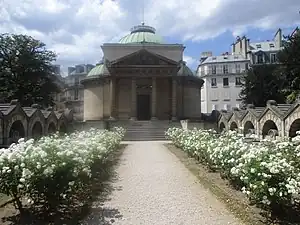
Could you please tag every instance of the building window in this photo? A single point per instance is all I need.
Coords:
(76, 94)
(225, 69)
(214, 82)
(260, 58)
(238, 81)
(214, 107)
(227, 107)
(258, 46)
(202, 71)
(237, 68)
(213, 69)
(272, 46)
(225, 82)
(76, 80)
(273, 58)
(247, 66)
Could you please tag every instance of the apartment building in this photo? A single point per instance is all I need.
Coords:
(72, 93)
(222, 77)
(223, 74)
(263, 52)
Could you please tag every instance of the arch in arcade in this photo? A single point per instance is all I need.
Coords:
(37, 129)
(295, 126)
(269, 129)
(233, 126)
(16, 131)
(222, 127)
(62, 127)
(51, 128)
(248, 128)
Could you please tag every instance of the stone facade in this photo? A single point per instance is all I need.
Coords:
(222, 77)
(30, 122)
(142, 81)
(275, 120)
(71, 95)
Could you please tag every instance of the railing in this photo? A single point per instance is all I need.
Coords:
(141, 28)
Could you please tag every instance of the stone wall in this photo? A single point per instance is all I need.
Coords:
(30, 122)
(282, 120)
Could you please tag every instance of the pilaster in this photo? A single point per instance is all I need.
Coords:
(153, 99)
(133, 98)
(174, 98)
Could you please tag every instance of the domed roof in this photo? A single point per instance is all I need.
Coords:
(142, 34)
(185, 70)
(99, 70)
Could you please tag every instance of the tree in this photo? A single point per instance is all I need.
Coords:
(289, 58)
(26, 70)
(261, 84)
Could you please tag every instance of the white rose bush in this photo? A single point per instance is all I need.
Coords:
(50, 170)
(268, 172)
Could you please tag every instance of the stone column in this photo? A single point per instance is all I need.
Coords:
(174, 98)
(112, 97)
(153, 99)
(133, 98)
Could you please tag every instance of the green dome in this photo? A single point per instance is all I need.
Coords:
(142, 34)
(98, 70)
(185, 70)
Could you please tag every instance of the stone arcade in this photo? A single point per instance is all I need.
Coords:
(274, 120)
(141, 78)
(30, 122)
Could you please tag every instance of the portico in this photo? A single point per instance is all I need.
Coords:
(142, 80)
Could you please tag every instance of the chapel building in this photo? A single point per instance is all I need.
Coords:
(142, 78)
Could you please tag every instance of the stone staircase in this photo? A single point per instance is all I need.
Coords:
(146, 130)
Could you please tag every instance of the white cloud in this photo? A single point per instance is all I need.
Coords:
(190, 61)
(75, 29)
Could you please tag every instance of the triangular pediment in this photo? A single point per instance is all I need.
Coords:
(143, 58)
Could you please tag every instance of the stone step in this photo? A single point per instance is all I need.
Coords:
(144, 138)
(145, 130)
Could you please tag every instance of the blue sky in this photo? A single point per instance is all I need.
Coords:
(75, 29)
(222, 43)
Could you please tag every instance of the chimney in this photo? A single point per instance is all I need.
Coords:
(70, 70)
(244, 46)
(233, 47)
(205, 55)
(79, 68)
(278, 38)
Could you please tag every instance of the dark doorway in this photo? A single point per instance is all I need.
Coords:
(143, 107)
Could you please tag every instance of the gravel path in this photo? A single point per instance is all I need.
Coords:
(155, 188)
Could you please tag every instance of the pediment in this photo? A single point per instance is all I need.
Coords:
(143, 58)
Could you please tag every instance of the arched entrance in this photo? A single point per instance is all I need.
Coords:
(62, 128)
(248, 128)
(233, 126)
(295, 126)
(222, 127)
(37, 130)
(16, 132)
(51, 128)
(269, 129)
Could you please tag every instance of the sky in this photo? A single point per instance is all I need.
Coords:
(75, 29)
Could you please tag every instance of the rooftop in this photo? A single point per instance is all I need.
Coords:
(264, 46)
(224, 59)
(142, 34)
